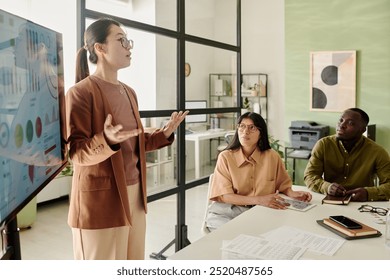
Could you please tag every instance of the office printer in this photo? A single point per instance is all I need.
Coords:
(304, 134)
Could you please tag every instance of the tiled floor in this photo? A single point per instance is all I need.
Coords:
(50, 237)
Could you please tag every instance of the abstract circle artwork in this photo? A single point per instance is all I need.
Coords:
(332, 80)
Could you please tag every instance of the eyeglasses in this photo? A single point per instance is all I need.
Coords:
(368, 208)
(126, 43)
(252, 128)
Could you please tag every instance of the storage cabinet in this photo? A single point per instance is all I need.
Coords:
(223, 93)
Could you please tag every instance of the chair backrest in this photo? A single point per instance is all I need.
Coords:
(229, 137)
(204, 228)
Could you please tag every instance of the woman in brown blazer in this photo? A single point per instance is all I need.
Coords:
(107, 146)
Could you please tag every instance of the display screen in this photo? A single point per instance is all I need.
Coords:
(31, 111)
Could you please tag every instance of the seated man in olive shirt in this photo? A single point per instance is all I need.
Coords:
(348, 162)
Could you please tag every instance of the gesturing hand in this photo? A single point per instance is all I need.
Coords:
(114, 134)
(174, 122)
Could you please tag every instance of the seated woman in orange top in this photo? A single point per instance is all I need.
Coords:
(248, 173)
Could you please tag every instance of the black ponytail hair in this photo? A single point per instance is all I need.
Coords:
(97, 32)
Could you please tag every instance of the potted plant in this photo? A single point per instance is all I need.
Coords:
(245, 106)
(275, 145)
(67, 171)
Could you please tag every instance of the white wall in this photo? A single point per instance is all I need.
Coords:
(263, 51)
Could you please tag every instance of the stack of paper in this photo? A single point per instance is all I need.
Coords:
(283, 243)
(251, 247)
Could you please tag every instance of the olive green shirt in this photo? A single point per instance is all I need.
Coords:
(331, 163)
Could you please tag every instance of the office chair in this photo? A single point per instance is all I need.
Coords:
(228, 137)
(204, 228)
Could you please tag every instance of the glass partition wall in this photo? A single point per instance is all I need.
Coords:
(177, 45)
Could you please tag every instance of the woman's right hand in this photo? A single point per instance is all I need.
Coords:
(273, 200)
(114, 134)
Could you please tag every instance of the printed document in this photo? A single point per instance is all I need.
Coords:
(252, 247)
(313, 242)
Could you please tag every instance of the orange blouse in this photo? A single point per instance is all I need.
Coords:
(261, 174)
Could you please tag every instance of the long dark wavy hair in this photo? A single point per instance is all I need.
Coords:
(97, 32)
(259, 122)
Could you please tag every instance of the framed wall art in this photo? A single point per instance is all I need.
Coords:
(332, 80)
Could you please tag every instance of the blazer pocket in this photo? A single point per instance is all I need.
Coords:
(92, 183)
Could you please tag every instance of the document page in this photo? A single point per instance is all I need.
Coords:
(316, 243)
(259, 248)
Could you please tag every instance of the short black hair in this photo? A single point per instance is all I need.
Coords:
(363, 115)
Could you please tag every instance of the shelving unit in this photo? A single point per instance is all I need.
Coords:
(223, 93)
(254, 88)
(159, 169)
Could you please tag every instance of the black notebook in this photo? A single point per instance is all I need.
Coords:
(340, 200)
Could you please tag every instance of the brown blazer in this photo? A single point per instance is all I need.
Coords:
(99, 195)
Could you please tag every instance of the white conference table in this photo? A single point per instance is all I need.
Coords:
(198, 136)
(260, 220)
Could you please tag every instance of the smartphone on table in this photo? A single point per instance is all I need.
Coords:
(346, 222)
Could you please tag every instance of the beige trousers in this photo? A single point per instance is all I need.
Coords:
(118, 243)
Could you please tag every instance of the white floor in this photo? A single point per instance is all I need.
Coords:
(50, 237)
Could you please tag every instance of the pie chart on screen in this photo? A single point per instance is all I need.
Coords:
(4, 135)
(29, 131)
(38, 127)
(31, 173)
(18, 136)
